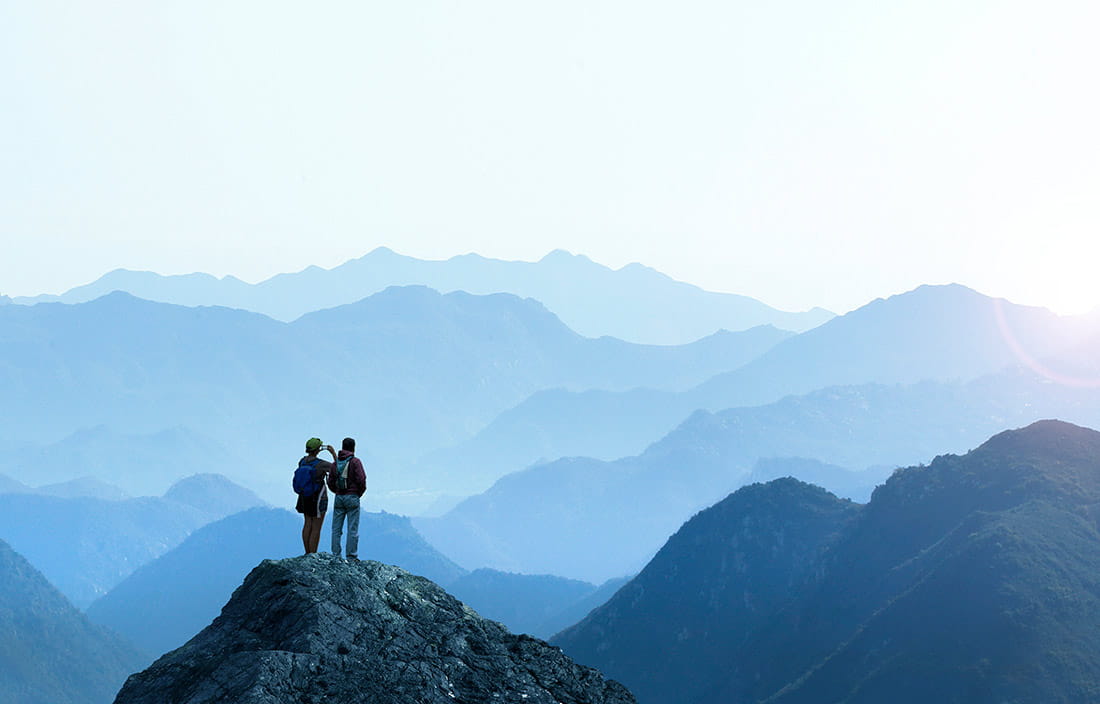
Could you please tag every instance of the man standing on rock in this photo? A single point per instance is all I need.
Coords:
(348, 483)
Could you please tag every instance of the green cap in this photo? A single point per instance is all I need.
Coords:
(313, 444)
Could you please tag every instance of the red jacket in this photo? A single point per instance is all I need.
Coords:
(357, 478)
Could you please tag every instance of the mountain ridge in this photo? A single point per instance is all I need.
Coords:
(712, 559)
(424, 370)
(946, 333)
(972, 578)
(710, 454)
(50, 653)
(85, 546)
(641, 291)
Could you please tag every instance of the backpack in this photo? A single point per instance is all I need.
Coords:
(304, 481)
(342, 468)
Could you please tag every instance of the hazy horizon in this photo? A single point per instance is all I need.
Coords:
(539, 439)
(801, 154)
(254, 280)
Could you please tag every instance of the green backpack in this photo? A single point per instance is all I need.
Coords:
(342, 468)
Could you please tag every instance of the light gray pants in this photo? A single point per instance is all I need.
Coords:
(345, 505)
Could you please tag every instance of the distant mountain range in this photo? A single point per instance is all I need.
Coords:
(593, 520)
(13, 486)
(80, 487)
(973, 579)
(559, 422)
(138, 394)
(406, 371)
(49, 652)
(634, 303)
(540, 605)
(85, 546)
(133, 463)
(940, 333)
(946, 333)
(167, 601)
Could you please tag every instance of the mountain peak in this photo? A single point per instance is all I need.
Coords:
(117, 295)
(213, 494)
(655, 619)
(1047, 459)
(953, 294)
(564, 255)
(927, 292)
(953, 286)
(1050, 438)
(317, 627)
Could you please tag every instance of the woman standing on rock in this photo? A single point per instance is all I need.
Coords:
(309, 483)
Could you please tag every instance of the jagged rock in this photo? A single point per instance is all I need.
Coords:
(315, 629)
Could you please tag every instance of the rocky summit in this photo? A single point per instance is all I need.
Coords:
(315, 629)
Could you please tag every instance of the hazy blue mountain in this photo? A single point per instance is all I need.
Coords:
(137, 367)
(932, 332)
(673, 630)
(139, 464)
(13, 486)
(944, 333)
(557, 423)
(974, 578)
(633, 303)
(85, 546)
(393, 539)
(213, 494)
(525, 603)
(49, 652)
(589, 519)
(83, 487)
(405, 371)
(164, 603)
(507, 442)
(579, 609)
(534, 430)
(498, 331)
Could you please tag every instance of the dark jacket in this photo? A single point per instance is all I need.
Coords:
(357, 478)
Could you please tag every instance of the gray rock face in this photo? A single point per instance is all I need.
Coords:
(315, 629)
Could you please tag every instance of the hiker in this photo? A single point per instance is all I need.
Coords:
(348, 482)
(309, 483)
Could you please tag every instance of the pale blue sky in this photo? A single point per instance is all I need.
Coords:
(801, 152)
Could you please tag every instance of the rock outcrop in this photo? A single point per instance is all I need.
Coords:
(166, 602)
(317, 629)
